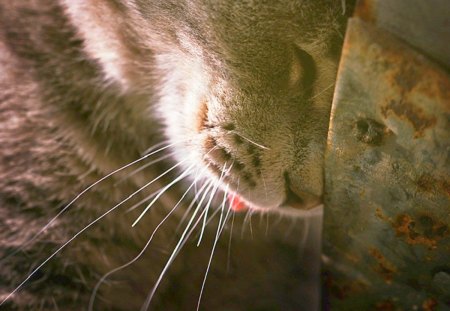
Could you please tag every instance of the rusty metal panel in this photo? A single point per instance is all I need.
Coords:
(387, 168)
(423, 24)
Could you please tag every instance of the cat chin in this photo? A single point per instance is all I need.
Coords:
(239, 204)
(293, 212)
(287, 211)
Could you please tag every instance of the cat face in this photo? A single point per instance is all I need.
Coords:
(243, 89)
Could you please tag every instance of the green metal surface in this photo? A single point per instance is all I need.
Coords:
(387, 202)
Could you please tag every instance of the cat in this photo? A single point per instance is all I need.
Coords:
(234, 97)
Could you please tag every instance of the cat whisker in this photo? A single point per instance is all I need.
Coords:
(229, 241)
(249, 140)
(251, 226)
(344, 7)
(144, 200)
(184, 236)
(267, 224)
(102, 280)
(218, 233)
(213, 215)
(322, 91)
(304, 237)
(264, 184)
(84, 229)
(151, 150)
(183, 175)
(150, 196)
(48, 225)
(213, 192)
(246, 222)
(144, 166)
(194, 200)
(291, 226)
(199, 174)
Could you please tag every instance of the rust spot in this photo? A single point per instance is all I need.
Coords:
(353, 258)
(429, 305)
(426, 183)
(379, 214)
(444, 91)
(429, 184)
(436, 86)
(424, 230)
(408, 78)
(364, 10)
(385, 305)
(384, 267)
(409, 112)
(445, 186)
(342, 289)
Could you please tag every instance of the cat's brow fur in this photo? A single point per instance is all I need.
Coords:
(87, 86)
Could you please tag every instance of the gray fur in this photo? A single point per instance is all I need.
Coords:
(87, 86)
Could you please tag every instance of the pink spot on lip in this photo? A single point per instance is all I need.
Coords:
(236, 203)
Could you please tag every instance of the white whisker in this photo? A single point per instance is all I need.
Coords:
(84, 229)
(144, 200)
(144, 166)
(250, 222)
(210, 218)
(102, 280)
(213, 192)
(244, 224)
(83, 192)
(305, 232)
(219, 231)
(229, 241)
(250, 141)
(175, 252)
(151, 150)
(194, 200)
(324, 90)
(183, 175)
(264, 184)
